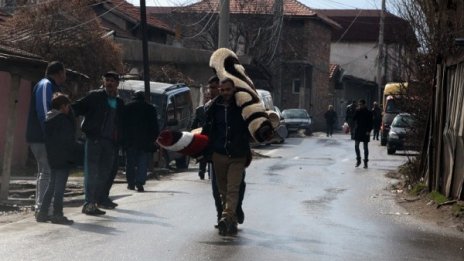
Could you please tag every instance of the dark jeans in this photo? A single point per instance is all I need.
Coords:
(330, 129)
(99, 166)
(55, 190)
(217, 196)
(376, 134)
(104, 195)
(136, 166)
(202, 168)
(358, 152)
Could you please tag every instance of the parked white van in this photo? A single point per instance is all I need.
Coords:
(266, 100)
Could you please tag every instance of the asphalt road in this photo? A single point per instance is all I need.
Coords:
(306, 201)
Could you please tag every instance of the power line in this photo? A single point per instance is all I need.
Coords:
(71, 27)
(348, 28)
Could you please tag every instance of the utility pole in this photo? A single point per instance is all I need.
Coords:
(146, 67)
(224, 14)
(380, 56)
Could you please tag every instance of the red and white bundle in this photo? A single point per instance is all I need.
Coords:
(187, 143)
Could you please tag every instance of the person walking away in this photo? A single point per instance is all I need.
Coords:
(363, 122)
(350, 111)
(102, 111)
(40, 104)
(229, 143)
(140, 130)
(377, 120)
(330, 118)
(62, 152)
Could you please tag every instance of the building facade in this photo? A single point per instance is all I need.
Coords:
(288, 43)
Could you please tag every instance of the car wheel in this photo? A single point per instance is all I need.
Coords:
(308, 132)
(391, 151)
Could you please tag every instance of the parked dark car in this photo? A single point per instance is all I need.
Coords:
(399, 136)
(297, 119)
(174, 105)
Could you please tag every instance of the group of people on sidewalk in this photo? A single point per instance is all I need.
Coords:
(108, 125)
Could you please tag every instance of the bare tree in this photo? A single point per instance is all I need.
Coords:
(436, 24)
(64, 30)
(255, 29)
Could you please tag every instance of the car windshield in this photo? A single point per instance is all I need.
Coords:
(403, 121)
(296, 113)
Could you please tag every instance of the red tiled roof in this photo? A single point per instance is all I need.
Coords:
(291, 8)
(133, 13)
(18, 52)
(359, 25)
(160, 9)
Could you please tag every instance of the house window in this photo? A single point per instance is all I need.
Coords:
(296, 86)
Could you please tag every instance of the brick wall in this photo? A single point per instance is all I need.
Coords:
(305, 52)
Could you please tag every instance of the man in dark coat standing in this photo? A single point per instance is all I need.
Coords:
(330, 118)
(377, 120)
(363, 126)
(140, 130)
(102, 111)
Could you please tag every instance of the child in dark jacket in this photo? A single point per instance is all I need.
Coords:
(61, 150)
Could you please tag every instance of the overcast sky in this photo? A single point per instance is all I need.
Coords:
(317, 4)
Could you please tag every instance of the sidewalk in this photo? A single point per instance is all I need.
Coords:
(21, 198)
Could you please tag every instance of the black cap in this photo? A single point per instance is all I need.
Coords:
(112, 74)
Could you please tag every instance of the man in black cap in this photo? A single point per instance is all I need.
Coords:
(102, 111)
(140, 131)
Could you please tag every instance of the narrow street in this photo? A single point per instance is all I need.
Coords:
(306, 201)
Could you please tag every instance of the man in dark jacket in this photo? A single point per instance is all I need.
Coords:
(140, 130)
(377, 120)
(39, 106)
(330, 118)
(229, 144)
(102, 111)
(363, 126)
